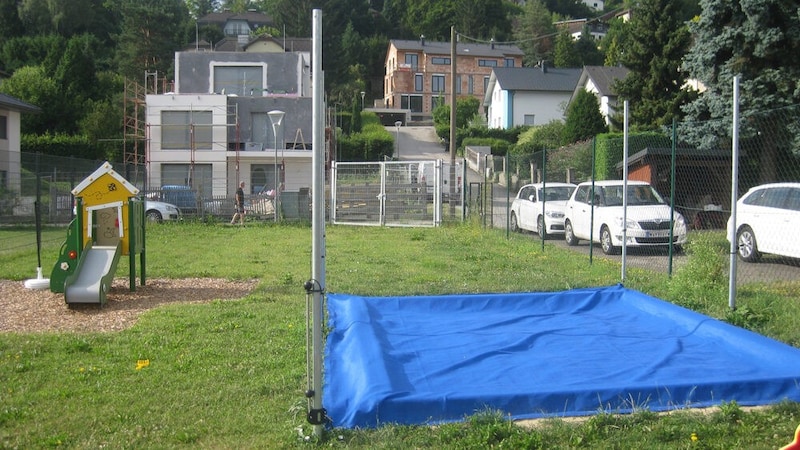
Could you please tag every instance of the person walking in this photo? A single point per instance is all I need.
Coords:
(238, 205)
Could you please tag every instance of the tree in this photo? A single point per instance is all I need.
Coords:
(32, 85)
(655, 84)
(535, 32)
(615, 42)
(587, 50)
(565, 54)
(759, 41)
(583, 119)
(10, 24)
(151, 33)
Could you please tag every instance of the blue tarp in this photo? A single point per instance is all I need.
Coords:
(433, 359)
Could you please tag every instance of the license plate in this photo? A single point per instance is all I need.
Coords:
(656, 234)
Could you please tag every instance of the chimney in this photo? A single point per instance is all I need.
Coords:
(422, 39)
(544, 66)
(491, 42)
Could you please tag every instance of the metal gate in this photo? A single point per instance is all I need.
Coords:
(392, 193)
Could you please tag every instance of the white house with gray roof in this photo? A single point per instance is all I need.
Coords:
(599, 80)
(528, 95)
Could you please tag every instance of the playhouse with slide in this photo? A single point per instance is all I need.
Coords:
(109, 223)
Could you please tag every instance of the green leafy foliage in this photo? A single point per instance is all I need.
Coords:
(372, 143)
(583, 120)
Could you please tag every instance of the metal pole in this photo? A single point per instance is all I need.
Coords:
(624, 194)
(275, 192)
(734, 195)
(316, 414)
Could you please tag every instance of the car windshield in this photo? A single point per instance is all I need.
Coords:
(556, 193)
(637, 195)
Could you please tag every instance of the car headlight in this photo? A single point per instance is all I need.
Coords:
(632, 224)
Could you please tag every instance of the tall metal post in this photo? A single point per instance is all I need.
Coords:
(276, 117)
(316, 287)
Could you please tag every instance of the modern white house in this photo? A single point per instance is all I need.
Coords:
(599, 80)
(528, 95)
(11, 110)
(216, 129)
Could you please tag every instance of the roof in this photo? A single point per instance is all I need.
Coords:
(462, 49)
(221, 18)
(691, 152)
(15, 104)
(603, 78)
(536, 79)
(286, 43)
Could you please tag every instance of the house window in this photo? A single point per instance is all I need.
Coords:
(3, 127)
(262, 177)
(236, 28)
(529, 119)
(458, 84)
(263, 132)
(437, 83)
(509, 62)
(412, 102)
(412, 59)
(239, 80)
(3, 179)
(487, 62)
(198, 176)
(440, 61)
(437, 101)
(470, 85)
(485, 84)
(180, 130)
(418, 82)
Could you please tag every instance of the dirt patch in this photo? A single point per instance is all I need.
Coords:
(31, 310)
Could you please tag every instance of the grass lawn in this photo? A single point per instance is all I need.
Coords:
(231, 374)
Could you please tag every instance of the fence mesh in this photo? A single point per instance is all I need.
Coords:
(691, 166)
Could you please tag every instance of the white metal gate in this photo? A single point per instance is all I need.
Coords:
(391, 193)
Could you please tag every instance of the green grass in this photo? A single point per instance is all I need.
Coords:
(231, 374)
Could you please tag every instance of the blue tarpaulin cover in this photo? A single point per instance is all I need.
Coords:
(433, 359)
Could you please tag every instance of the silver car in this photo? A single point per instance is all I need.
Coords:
(541, 206)
(160, 211)
(767, 221)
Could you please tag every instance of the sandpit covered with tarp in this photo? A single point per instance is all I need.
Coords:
(431, 359)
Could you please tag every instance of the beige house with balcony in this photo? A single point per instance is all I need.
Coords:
(418, 72)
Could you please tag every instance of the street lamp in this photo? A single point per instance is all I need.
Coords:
(397, 137)
(362, 99)
(276, 117)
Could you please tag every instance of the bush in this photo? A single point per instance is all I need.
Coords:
(373, 143)
(64, 145)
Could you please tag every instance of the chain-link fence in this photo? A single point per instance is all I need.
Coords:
(690, 167)
(48, 181)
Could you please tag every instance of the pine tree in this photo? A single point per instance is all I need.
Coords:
(759, 41)
(657, 42)
(583, 119)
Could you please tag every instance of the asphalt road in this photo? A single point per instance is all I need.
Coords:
(421, 143)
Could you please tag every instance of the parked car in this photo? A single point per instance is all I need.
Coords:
(648, 216)
(181, 196)
(541, 206)
(160, 211)
(767, 221)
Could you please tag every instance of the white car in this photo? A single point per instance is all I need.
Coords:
(160, 211)
(538, 206)
(767, 221)
(648, 216)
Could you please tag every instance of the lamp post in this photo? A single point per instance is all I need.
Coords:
(362, 99)
(397, 137)
(276, 117)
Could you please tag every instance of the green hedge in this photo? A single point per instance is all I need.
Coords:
(373, 143)
(610, 147)
(65, 145)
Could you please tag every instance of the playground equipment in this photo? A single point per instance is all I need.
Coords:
(109, 223)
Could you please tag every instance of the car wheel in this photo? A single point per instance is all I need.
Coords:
(605, 242)
(154, 216)
(514, 224)
(569, 236)
(540, 227)
(746, 244)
